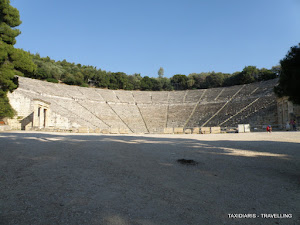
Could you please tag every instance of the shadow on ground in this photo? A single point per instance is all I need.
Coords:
(111, 179)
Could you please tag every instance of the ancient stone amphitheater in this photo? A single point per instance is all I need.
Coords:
(43, 105)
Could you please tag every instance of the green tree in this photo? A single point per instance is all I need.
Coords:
(199, 79)
(289, 80)
(232, 79)
(214, 80)
(156, 84)
(161, 72)
(191, 82)
(12, 61)
(165, 83)
(146, 84)
(179, 82)
(135, 81)
(265, 74)
(248, 75)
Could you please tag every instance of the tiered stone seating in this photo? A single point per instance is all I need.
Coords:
(81, 110)
(130, 115)
(228, 92)
(264, 87)
(176, 97)
(143, 112)
(107, 95)
(73, 92)
(91, 94)
(104, 112)
(31, 85)
(211, 94)
(50, 89)
(178, 114)
(142, 97)
(159, 97)
(62, 113)
(229, 110)
(155, 116)
(193, 96)
(125, 96)
(203, 112)
(259, 107)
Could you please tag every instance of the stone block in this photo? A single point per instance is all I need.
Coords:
(244, 128)
(91, 130)
(205, 130)
(168, 130)
(83, 130)
(178, 130)
(241, 128)
(247, 128)
(124, 131)
(188, 131)
(97, 130)
(105, 131)
(215, 130)
(196, 130)
(114, 130)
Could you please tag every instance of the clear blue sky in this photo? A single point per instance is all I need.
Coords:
(140, 36)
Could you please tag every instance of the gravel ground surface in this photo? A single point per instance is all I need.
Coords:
(55, 178)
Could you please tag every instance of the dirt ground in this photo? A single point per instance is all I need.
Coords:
(55, 178)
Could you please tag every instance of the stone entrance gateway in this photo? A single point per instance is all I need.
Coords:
(41, 113)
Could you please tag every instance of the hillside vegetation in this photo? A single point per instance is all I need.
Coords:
(81, 75)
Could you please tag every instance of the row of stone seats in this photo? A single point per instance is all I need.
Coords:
(125, 96)
(230, 110)
(77, 108)
(258, 107)
(228, 92)
(91, 94)
(173, 97)
(193, 96)
(131, 116)
(160, 97)
(178, 114)
(104, 113)
(176, 97)
(155, 116)
(203, 112)
(142, 97)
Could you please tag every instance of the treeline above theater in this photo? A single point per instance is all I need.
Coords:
(81, 75)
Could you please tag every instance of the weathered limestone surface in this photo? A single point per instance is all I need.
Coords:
(205, 130)
(168, 130)
(83, 130)
(178, 130)
(215, 130)
(124, 131)
(101, 110)
(114, 130)
(188, 131)
(196, 130)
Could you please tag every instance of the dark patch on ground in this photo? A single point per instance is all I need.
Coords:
(188, 162)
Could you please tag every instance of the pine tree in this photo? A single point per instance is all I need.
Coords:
(160, 72)
(289, 80)
(12, 61)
